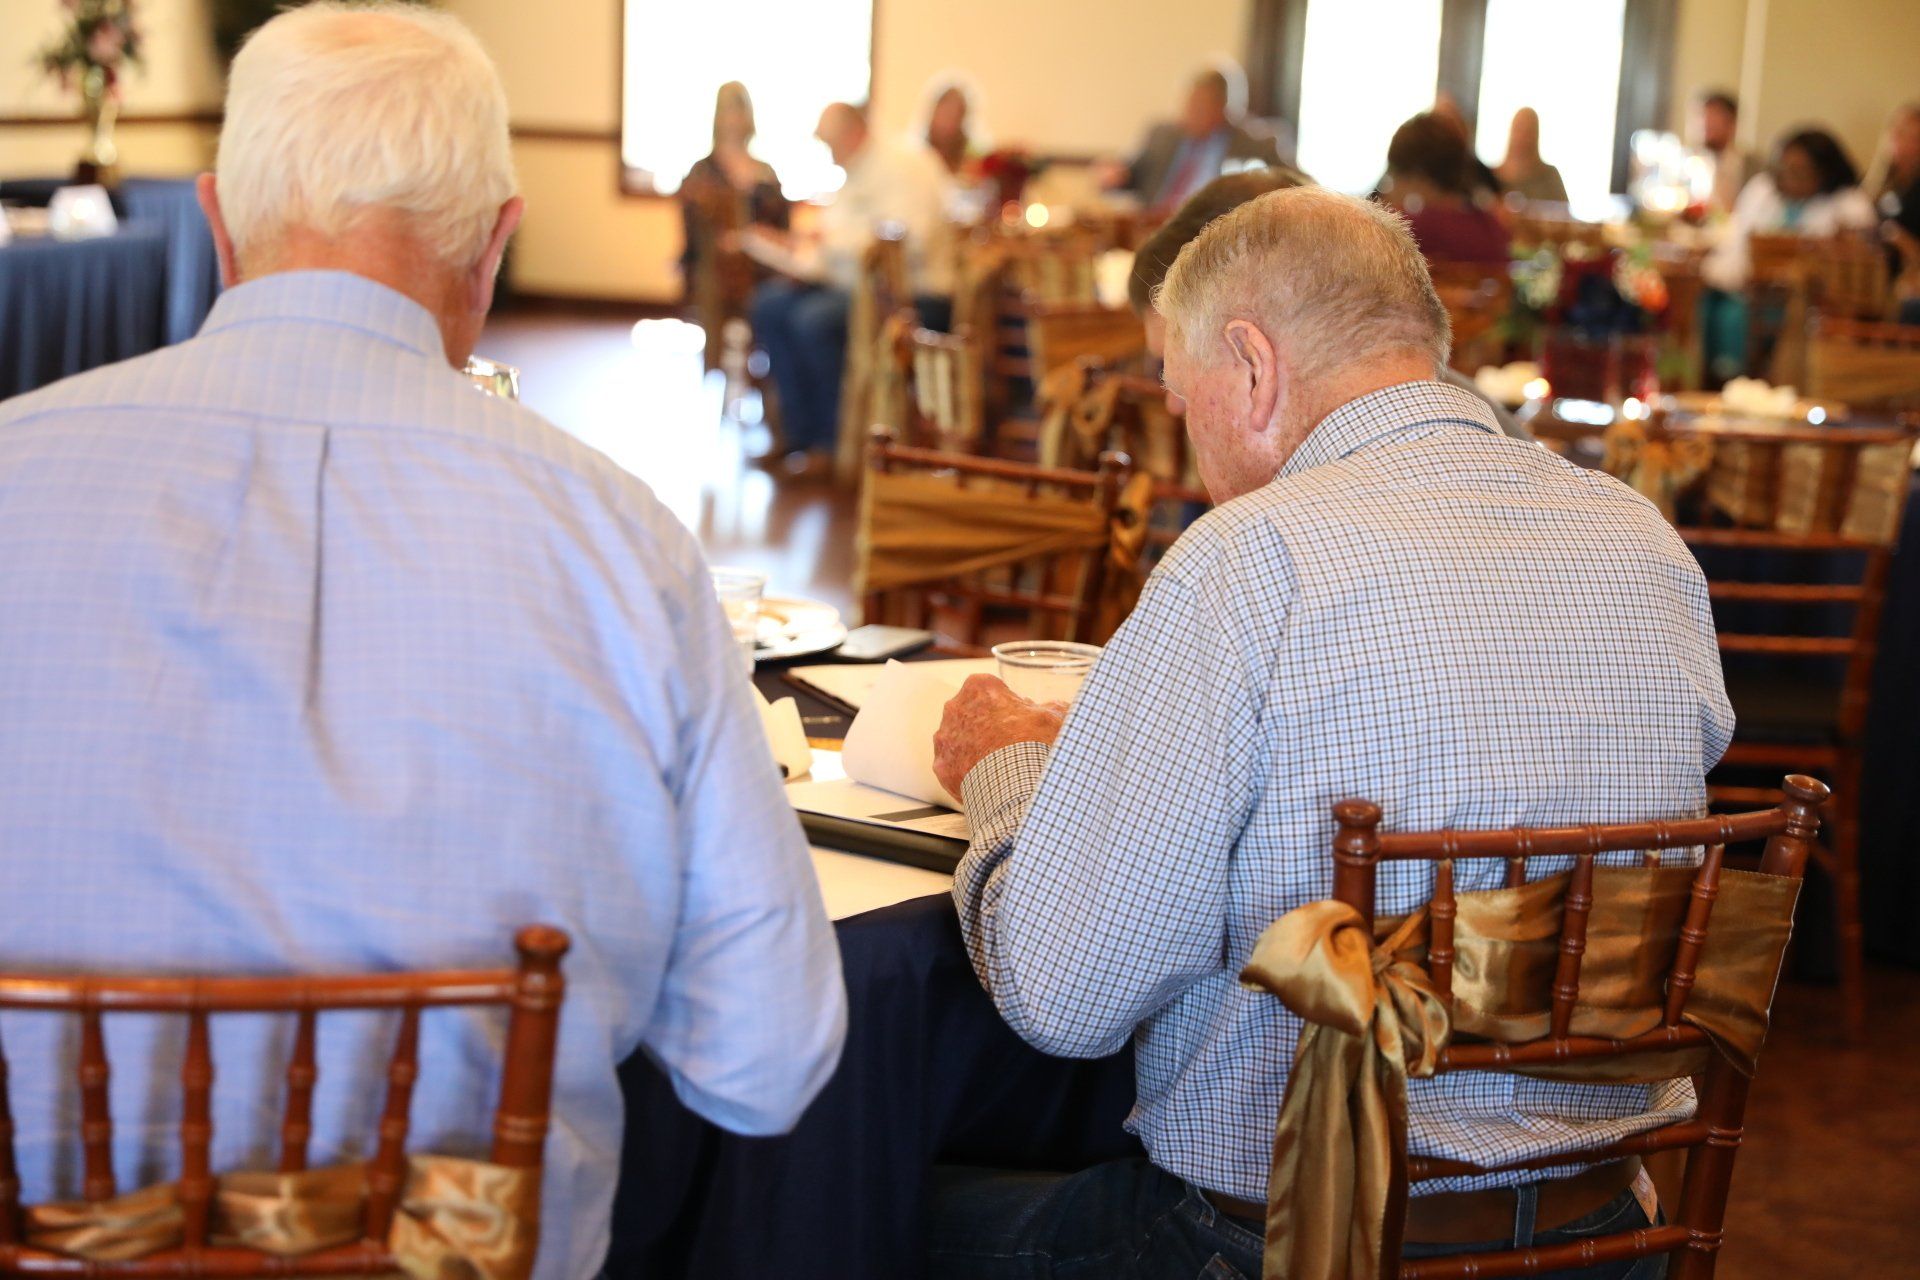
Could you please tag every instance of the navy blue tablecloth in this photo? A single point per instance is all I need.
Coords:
(930, 1072)
(170, 206)
(70, 306)
(1890, 779)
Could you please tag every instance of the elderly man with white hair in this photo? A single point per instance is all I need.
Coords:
(314, 658)
(1392, 600)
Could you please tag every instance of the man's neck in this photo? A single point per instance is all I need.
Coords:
(395, 260)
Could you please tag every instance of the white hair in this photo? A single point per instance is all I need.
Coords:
(1336, 280)
(334, 109)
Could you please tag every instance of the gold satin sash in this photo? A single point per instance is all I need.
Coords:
(1373, 1019)
(916, 528)
(457, 1219)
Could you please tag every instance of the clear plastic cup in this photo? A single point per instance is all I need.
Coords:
(1045, 670)
(740, 591)
(492, 377)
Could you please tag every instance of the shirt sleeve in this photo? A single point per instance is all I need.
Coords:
(1090, 907)
(753, 1010)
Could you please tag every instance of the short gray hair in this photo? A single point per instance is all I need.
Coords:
(336, 108)
(1335, 279)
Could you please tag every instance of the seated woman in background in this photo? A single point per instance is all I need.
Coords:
(1812, 189)
(1428, 179)
(949, 104)
(729, 186)
(1523, 173)
(1899, 202)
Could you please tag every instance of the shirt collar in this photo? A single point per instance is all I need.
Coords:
(1389, 411)
(329, 297)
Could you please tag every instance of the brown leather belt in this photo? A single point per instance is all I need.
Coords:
(1479, 1217)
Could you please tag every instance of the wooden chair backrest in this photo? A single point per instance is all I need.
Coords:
(1059, 334)
(1477, 299)
(934, 393)
(1815, 496)
(533, 992)
(1126, 413)
(1712, 1137)
(1870, 366)
(1845, 276)
(880, 290)
(1052, 596)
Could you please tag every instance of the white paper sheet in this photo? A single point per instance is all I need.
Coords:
(785, 736)
(852, 682)
(890, 743)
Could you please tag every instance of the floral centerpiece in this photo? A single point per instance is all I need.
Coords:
(1594, 315)
(97, 40)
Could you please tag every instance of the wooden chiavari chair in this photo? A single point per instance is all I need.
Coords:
(1794, 279)
(1712, 1137)
(532, 992)
(880, 291)
(1796, 528)
(1477, 299)
(1870, 366)
(929, 389)
(1027, 586)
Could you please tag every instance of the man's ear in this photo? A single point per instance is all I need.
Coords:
(1258, 366)
(208, 192)
(487, 269)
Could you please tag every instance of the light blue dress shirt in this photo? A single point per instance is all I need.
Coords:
(312, 658)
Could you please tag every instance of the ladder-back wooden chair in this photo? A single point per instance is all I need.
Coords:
(1796, 529)
(880, 291)
(1597, 967)
(1060, 333)
(981, 550)
(197, 1243)
(929, 389)
(1794, 279)
(1088, 409)
(1477, 299)
(1870, 366)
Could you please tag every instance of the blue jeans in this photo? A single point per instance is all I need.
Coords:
(1126, 1219)
(1133, 1221)
(803, 330)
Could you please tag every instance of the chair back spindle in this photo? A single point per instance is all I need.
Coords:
(533, 993)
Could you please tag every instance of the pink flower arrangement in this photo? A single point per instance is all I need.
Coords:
(100, 37)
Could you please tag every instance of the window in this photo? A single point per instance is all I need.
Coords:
(1345, 73)
(793, 58)
(1356, 87)
(1523, 64)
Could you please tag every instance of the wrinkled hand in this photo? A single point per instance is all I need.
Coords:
(984, 717)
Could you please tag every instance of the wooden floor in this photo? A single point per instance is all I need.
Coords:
(1829, 1178)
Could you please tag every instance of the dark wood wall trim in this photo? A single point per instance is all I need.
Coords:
(130, 119)
(563, 133)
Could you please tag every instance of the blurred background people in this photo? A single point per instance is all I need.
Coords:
(1812, 189)
(1523, 173)
(1898, 191)
(1430, 179)
(800, 317)
(953, 127)
(1181, 156)
(728, 187)
(1716, 119)
(1482, 183)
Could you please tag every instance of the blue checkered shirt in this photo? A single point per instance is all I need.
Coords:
(314, 658)
(1418, 611)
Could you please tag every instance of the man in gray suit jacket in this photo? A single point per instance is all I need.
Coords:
(1181, 156)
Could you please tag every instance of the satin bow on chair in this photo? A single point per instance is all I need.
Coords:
(1372, 1019)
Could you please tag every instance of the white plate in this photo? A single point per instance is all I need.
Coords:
(794, 628)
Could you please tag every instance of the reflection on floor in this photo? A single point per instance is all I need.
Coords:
(1827, 1183)
(636, 393)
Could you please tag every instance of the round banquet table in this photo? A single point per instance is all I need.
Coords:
(930, 1072)
(70, 306)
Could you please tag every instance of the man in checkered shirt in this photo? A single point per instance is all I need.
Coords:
(1393, 601)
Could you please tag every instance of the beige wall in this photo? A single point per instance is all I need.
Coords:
(1708, 43)
(1056, 76)
(1844, 64)
(1841, 63)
